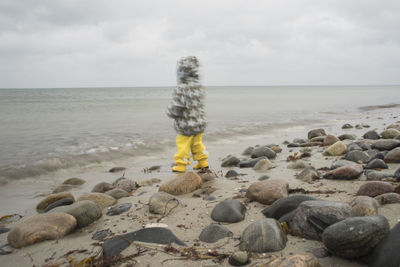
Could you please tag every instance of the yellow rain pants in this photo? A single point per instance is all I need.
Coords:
(187, 144)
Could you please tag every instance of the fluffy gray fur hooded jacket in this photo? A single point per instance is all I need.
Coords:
(187, 107)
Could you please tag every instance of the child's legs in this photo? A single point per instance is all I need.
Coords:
(198, 149)
(183, 149)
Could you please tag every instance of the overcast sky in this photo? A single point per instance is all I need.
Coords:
(85, 43)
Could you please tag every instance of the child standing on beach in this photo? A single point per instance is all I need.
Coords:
(187, 109)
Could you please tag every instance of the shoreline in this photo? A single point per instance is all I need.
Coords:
(21, 197)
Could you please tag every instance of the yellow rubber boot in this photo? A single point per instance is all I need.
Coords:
(182, 156)
(199, 152)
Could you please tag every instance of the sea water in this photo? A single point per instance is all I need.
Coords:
(43, 130)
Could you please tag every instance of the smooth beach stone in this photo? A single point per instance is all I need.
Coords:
(117, 193)
(297, 260)
(357, 156)
(230, 161)
(248, 151)
(337, 149)
(101, 199)
(250, 163)
(61, 202)
(102, 187)
(347, 126)
(376, 175)
(263, 178)
(364, 206)
(394, 125)
(229, 210)
(117, 169)
(85, 212)
(63, 188)
(263, 165)
(231, 173)
(299, 141)
(285, 205)
(214, 232)
(299, 164)
(319, 139)
(355, 237)
(386, 253)
(380, 155)
(347, 172)
(267, 192)
(182, 184)
(149, 182)
(374, 188)
(330, 140)
(263, 152)
(363, 145)
(315, 132)
(396, 174)
(125, 184)
(293, 145)
(376, 164)
(163, 203)
(347, 136)
(264, 235)
(41, 227)
(393, 156)
(239, 258)
(4, 230)
(118, 209)
(275, 148)
(74, 181)
(341, 163)
(359, 126)
(390, 133)
(308, 175)
(102, 234)
(312, 217)
(41, 207)
(372, 153)
(372, 135)
(386, 144)
(158, 235)
(388, 198)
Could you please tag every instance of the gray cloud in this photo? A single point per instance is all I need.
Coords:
(60, 43)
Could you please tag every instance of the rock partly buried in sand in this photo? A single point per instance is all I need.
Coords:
(312, 217)
(50, 199)
(386, 253)
(101, 199)
(229, 210)
(230, 161)
(275, 148)
(316, 132)
(119, 209)
(182, 184)
(364, 206)
(158, 235)
(347, 126)
(163, 203)
(308, 175)
(347, 136)
(264, 235)
(375, 188)
(387, 144)
(74, 181)
(347, 172)
(231, 173)
(248, 151)
(59, 203)
(85, 212)
(214, 232)
(102, 187)
(376, 175)
(357, 156)
(117, 169)
(372, 135)
(390, 133)
(263, 152)
(337, 149)
(380, 155)
(297, 260)
(388, 198)
(41, 227)
(355, 237)
(63, 188)
(341, 163)
(250, 163)
(267, 192)
(125, 184)
(117, 193)
(239, 258)
(330, 140)
(396, 174)
(149, 182)
(393, 156)
(376, 164)
(263, 165)
(285, 205)
(102, 234)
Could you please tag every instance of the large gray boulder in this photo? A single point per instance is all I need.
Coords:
(85, 212)
(229, 210)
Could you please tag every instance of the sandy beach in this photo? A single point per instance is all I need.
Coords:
(187, 222)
